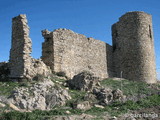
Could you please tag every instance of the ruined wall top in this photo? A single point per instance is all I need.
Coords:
(22, 65)
(21, 16)
(134, 47)
(136, 14)
(45, 33)
(66, 51)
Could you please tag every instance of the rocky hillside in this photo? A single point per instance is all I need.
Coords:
(85, 97)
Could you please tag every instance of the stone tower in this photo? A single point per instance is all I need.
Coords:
(133, 47)
(20, 58)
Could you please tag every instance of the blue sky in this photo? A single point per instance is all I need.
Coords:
(92, 18)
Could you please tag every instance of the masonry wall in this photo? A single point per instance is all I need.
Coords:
(21, 64)
(48, 49)
(72, 53)
(131, 56)
(21, 47)
(133, 47)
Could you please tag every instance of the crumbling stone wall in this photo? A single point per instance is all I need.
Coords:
(21, 48)
(22, 65)
(131, 56)
(48, 49)
(72, 53)
(133, 47)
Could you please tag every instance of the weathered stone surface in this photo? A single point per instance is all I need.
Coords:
(91, 98)
(133, 47)
(22, 66)
(99, 106)
(104, 95)
(41, 96)
(131, 56)
(20, 59)
(72, 53)
(38, 68)
(57, 97)
(13, 107)
(118, 95)
(85, 105)
(84, 81)
(3, 99)
(2, 105)
(107, 95)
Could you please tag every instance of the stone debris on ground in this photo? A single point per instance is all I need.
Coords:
(43, 96)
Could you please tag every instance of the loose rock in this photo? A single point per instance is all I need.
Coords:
(84, 81)
(42, 95)
(82, 105)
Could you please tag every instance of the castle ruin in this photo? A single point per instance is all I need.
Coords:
(72, 53)
(131, 56)
(133, 47)
(21, 64)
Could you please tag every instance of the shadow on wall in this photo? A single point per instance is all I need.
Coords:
(158, 75)
(109, 58)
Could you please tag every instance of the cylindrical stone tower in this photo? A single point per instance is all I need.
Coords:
(133, 47)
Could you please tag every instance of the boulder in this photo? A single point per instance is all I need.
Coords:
(57, 97)
(13, 107)
(85, 105)
(106, 96)
(99, 106)
(91, 98)
(84, 81)
(43, 95)
(2, 105)
(118, 95)
(37, 69)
